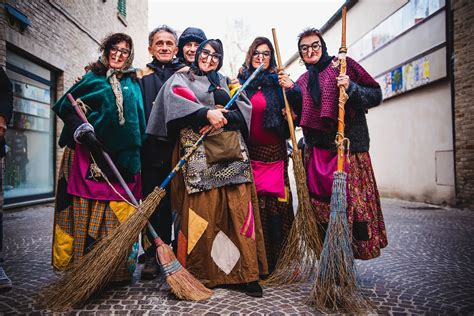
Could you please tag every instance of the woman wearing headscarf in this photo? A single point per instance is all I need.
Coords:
(188, 43)
(267, 144)
(220, 239)
(318, 118)
(89, 201)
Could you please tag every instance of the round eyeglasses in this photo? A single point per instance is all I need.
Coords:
(315, 46)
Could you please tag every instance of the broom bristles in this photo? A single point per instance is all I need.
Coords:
(300, 253)
(182, 283)
(337, 287)
(96, 268)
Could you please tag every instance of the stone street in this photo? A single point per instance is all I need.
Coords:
(427, 268)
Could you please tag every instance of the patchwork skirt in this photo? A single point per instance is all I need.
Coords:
(220, 238)
(80, 222)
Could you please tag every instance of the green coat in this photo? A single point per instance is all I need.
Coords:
(122, 142)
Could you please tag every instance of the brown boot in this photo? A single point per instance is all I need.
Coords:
(151, 268)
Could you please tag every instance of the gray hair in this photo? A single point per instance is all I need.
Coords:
(162, 28)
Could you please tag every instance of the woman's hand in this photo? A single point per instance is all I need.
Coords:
(343, 81)
(284, 80)
(216, 118)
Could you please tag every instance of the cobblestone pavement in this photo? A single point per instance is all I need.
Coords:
(426, 269)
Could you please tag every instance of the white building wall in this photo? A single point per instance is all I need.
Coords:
(361, 18)
(412, 133)
(411, 145)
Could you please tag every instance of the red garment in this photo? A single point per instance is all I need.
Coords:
(269, 177)
(258, 134)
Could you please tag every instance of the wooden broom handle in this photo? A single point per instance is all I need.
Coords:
(289, 117)
(342, 95)
(107, 158)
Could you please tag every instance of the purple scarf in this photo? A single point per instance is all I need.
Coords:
(323, 116)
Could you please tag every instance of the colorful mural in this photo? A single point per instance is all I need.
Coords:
(404, 78)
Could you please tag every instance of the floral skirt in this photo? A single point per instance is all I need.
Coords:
(364, 213)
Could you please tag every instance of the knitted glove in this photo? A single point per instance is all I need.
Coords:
(85, 135)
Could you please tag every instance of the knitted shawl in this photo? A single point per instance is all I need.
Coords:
(323, 116)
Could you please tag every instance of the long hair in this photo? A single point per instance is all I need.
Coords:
(98, 67)
(253, 47)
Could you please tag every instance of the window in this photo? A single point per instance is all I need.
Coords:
(122, 11)
(29, 164)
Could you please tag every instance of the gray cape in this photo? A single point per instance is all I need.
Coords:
(169, 106)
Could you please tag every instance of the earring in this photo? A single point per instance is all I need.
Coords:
(301, 62)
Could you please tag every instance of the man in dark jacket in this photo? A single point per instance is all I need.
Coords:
(6, 108)
(156, 154)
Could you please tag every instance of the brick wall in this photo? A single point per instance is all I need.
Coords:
(464, 100)
(65, 35)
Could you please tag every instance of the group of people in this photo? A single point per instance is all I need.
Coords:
(231, 204)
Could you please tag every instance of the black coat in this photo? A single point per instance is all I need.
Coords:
(156, 154)
(153, 78)
(6, 104)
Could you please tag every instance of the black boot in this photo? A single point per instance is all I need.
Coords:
(151, 268)
(253, 289)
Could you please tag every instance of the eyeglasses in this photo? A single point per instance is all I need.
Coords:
(265, 53)
(215, 57)
(125, 52)
(315, 46)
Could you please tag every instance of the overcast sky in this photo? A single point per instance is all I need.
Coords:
(237, 23)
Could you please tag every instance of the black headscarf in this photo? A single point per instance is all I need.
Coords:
(315, 69)
(191, 34)
(213, 75)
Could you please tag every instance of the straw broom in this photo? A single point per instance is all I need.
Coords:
(298, 259)
(337, 288)
(96, 268)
